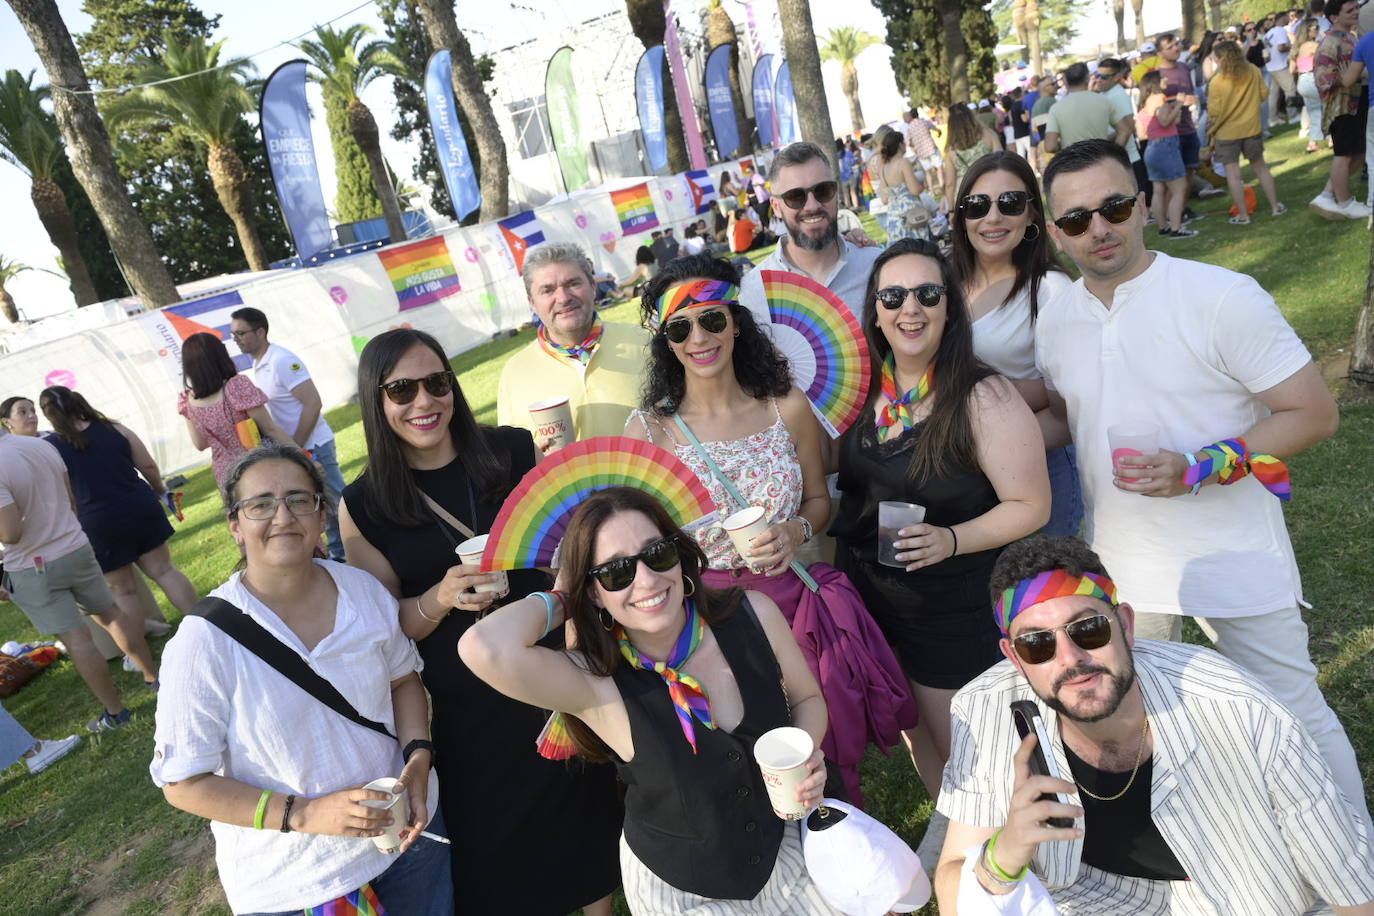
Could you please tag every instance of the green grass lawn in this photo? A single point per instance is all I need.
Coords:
(92, 834)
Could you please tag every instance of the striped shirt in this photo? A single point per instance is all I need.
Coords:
(1240, 793)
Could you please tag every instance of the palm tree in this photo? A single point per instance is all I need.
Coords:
(347, 66)
(1033, 35)
(9, 269)
(844, 44)
(1018, 24)
(494, 177)
(29, 139)
(208, 99)
(720, 30)
(1138, 6)
(92, 158)
(804, 61)
(649, 23)
(1119, 13)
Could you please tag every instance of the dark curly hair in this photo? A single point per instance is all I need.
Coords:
(1031, 556)
(759, 368)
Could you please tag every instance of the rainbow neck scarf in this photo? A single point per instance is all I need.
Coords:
(1231, 460)
(693, 293)
(362, 902)
(578, 353)
(896, 416)
(689, 699)
(1044, 586)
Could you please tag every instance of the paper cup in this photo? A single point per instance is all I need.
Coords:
(893, 517)
(744, 526)
(399, 806)
(1131, 439)
(552, 419)
(470, 553)
(782, 754)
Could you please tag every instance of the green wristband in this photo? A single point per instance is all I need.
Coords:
(262, 809)
(997, 869)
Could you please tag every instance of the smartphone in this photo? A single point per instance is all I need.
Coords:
(1026, 716)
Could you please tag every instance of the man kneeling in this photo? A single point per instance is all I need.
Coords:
(1191, 789)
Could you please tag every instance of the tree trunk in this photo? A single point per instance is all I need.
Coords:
(231, 183)
(742, 123)
(1119, 14)
(804, 61)
(7, 306)
(649, 23)
(56, 218)
(1138, 6)
(90, 153)
(956, 52)
(1214, 7)
(1033, 34)
(363, 128)
(1018, 24)
(1192, 20)
(1362, 359)
(442, 27)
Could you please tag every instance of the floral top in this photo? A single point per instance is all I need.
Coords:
(216, 421)
(1336, 48)
(764, 468)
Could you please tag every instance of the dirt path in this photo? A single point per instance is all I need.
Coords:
(197, 851)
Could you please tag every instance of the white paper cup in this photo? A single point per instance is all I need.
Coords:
(893, 517)
(745, 525)
(1131, 439)
(399, 807)
(781, 755)
(552, 419)
(470, 553)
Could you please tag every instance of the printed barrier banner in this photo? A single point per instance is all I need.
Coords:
(719, 101)
(422, 273)
(285, 120)
(701, 189)
(455, 163)
(764, 115)
(649, 99)
(634, 207)
(565, 119)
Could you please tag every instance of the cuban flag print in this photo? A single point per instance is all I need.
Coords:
(702, 189)
(208, 315)
(520, 233)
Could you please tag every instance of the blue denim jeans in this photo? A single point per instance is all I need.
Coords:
(1066, 494)
(328, 457)
(15, 740)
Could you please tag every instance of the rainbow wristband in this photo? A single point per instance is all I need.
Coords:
(262, 809)
(1192, 462)
(1231, 460)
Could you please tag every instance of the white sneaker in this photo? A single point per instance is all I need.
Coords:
(1353, 209)
(1325, 206)
(129, 664)
(49, 752)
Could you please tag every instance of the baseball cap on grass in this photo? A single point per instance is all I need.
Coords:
(860, 866)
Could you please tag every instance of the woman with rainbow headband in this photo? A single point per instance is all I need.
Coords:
(720, 396)
(674, 682)
(945, 432)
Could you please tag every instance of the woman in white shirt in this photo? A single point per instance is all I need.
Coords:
(1002, 259)
(277, 772)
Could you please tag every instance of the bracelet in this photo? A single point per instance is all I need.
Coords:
(996, 870)
(1192, 462)
(548, 612)
(420, 609)
(286, 814)
(807, 531)
(262, 809)
(956, 539)
(417, 744)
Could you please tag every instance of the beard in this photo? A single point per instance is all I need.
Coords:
(1120, 685)
(806, 242)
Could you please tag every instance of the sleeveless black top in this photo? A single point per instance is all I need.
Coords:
(702, 822)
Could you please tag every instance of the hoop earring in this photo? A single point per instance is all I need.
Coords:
(685, 593)
(1027, 237)
(607, 621)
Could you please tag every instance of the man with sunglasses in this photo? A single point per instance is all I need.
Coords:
(1204, 356)
(1109, 80)
(1190, 789)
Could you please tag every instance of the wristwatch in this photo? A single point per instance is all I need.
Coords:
(419, 744)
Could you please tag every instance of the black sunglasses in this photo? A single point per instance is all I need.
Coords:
(616, 575)
(1038, 646)
(824, 193)
(1010, 203)
(679, 329)
(929, 295)
(404, 390)
(1076, 222)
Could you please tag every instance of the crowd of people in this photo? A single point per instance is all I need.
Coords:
(1050, 568)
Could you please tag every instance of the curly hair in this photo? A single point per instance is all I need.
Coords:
(759, 368)
(1033, 555)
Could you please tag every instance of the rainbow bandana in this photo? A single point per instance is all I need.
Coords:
(692, 293)
(1052, 583)
(362, 902)
(578, 353)
(1231, 460)
(896, 416)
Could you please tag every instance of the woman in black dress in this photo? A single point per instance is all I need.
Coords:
(530, 836)
(947, 433)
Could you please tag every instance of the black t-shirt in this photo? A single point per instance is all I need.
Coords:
(1019, 128)
(1119, 836)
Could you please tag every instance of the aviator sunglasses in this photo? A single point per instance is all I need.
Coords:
(404, 390)
(1038, 646)
(977, 206)
(616, 575)
(1076, 222)
(929, 295)
(679, 329)
(824, 191)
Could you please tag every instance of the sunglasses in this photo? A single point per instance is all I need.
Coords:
(1116, 210)
(404, 390)
(824, 192)
(712, 322)
(262, 508)
(929, 295)
(616, 575)
(1038, 646)
(1010, 203)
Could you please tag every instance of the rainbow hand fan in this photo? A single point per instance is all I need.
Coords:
(833, 344)
(535, 515)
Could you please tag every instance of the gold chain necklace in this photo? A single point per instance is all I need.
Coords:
(1139, 756)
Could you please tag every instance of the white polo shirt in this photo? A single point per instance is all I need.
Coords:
(1185, 346)
(848, 279)
(277, 373)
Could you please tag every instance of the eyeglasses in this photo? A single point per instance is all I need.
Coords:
(616, 575)
(1076, 222)
(237, 334)
(929, 295)
(824, 192)
(1010, 203)
(679, 329)
(261, 508)
(1038, 646)
(404, 390)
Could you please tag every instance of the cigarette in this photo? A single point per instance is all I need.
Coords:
(436, 838)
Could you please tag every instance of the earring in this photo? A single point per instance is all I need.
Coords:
(685, 593)
(607, 621)
(1028, 237)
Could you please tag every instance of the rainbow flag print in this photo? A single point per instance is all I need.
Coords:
(422, 273)
(634, 207)
(521, 232)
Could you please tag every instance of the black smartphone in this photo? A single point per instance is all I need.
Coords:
(1026, 716)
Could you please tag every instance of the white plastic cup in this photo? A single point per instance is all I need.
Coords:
(1131, 439)
(745, 525)
(552, 419)
(892, 518)
(781, 755)
(399, 808)
(470, 553)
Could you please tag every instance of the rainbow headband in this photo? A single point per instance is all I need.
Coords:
(692, 293)
(1052, 583)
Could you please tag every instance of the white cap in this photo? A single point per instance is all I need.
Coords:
(984, 103)
(1148, 48)
(860, 866)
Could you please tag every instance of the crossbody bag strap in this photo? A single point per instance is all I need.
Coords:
(250, 634)
(447, 516)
